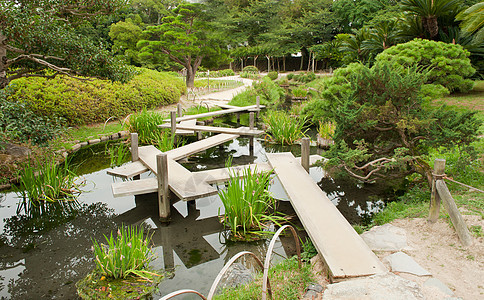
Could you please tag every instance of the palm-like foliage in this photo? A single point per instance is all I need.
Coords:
(429, 11)
(473, 22)
(353, 43)
(384, 35)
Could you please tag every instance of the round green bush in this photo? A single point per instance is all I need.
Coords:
(449, 65)
(94, 100)
(250, 69)
(273, 75)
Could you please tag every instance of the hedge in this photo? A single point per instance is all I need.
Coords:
(81, 102)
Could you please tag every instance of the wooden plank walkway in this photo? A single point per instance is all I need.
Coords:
(201, 145)
(343, 250)
(238, 131)
(180, 180)
(129, 170)
(214, 113)
(223, 174)
(186, 132)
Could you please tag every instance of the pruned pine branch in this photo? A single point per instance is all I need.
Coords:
(377, 164)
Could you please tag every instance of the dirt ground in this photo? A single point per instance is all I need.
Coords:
(436, 248)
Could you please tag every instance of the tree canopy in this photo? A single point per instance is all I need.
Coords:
(39, 38)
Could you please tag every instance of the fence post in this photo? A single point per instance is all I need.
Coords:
(439, 167)
(179, 110)
(163, 190)
(305, 153)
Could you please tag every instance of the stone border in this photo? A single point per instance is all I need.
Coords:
(124, 134)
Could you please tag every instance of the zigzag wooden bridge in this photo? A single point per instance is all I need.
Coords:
(344, 252)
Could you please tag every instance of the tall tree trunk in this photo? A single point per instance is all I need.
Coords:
(3, 62)
(268, 63)
(255, 60)
(241, 64)
(190, 78)
(284, 63)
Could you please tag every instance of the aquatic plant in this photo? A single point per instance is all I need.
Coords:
(118, 154)
(247, 203)
(299, 92)
(326, 129)
(126, 255)
(145, 123)
(49, 182)
(283, 128)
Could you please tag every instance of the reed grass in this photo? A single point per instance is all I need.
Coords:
(145, 123)
(248, 204)
(127, 254)
(283, 128)
(50, 182)
(118, 154)
(326, 129)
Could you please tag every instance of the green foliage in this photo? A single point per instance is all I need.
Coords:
(21, 123)
(383, 125)
(299, 92)
(326, 129)
(42, 35)
(309, 251)
(118, 154)
(302, 77)
(270, 94)
(250, 75)
(50, 182)
(250, 69)
(288, 282)
(473, 22)
(126, 255)
(273, 75)
(145, 123)
(283, 128)
(448, 64)
(247, 203)
(85, 102)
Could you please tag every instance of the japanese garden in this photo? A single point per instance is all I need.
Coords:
(255, 149)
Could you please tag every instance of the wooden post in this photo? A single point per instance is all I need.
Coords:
(199, 133)
(173, 125)
(134, 146)
(305, 153)
(257, 105)
(457, 220)
(238, 118)
(251, 138)
(179, 110)
(439, 167)
(163, 190)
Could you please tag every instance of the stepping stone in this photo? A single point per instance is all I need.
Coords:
(440, 285)
(386, 238)
(377, 287)
(401, 262)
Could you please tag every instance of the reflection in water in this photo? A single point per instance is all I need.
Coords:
(357, 202)
(45, 252)
(52, 261)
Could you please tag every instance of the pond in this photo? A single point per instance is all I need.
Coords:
(43, 254)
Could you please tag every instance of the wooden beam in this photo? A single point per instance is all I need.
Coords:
(454, 214)
(305, 153)
(129, 170)
(213, 113)
(134, 146)
(163, 190)
(238, 131)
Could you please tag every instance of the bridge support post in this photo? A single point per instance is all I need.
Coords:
(305, 153)
(251, 138)
(173, 126)
(257, 105)
(163, 189)
(134, 150)
(179, 110)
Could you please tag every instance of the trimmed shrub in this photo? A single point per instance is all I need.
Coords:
(270, 94)
(448, 64)
(250, 69)
(273, 75)
(226, 72)
(20, 122)
(84, 102)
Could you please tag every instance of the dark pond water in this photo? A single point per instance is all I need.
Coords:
(43, 254)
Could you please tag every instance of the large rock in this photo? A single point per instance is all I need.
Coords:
(401, 262)
(386, 238)
(376, 287)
